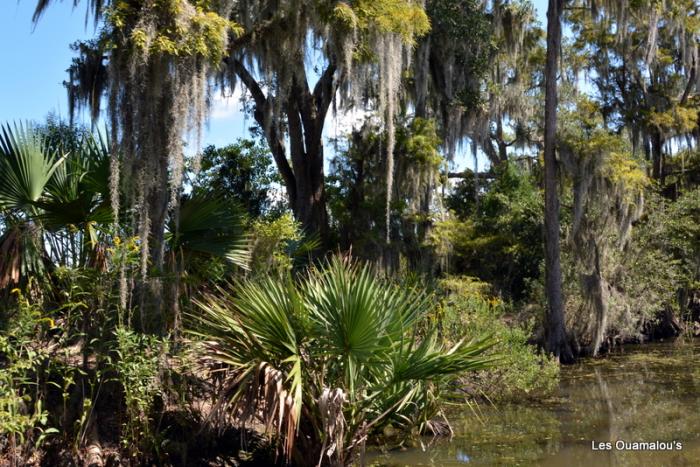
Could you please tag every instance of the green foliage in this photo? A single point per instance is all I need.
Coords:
(523, 372)
(26, 166)
(242, 172)
(49, 198)
(332, 358)
(642, 64)
(77, 196)
(465, 63)
(183, 28)
(499, 237)
(421, 143)
(138, 366)
(681, 237)
(357, 189)
(208, 224)
(402, 17)
(23, 416)
(65, 137)
(273, 241)
(608, 186)
(667, 248)
(599, 151)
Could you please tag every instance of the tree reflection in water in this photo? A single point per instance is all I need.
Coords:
(646, 394)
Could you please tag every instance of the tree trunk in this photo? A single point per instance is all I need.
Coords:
(555, 332)
(306, 116)
(306, 111)
(502, 146)
(657, 145)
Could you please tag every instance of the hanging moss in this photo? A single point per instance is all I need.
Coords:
(155, 58)
(608, 196)
(645, 56)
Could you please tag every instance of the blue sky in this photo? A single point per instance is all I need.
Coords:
(35, 59)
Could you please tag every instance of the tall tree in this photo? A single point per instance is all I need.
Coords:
(480, 88)
(152, 61)
(556, 339)
(608, 185)
(643, 59)
(242, 172)
(358, 194)
(356, 47)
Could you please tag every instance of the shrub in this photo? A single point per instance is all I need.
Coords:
(325, 362)
(524, 372)
(23, 418)
(137, 368)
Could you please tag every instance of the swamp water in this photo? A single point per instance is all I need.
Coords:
(642, 394)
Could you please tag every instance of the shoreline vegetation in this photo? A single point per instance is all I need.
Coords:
(266, 303)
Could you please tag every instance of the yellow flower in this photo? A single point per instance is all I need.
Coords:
(117, 241)
(16, 290)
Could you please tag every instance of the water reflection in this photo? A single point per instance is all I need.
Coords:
(645, 395)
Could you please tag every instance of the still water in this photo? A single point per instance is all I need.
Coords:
(642, 394)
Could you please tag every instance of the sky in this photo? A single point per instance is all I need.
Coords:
(34, 60)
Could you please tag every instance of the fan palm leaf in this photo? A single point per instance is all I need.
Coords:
(78, 192)
(255, 335)
(26, 166)
(208, 224)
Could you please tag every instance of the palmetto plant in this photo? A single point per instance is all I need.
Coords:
(51, 202)
(324, 362)
(55, 208)
(26, 166)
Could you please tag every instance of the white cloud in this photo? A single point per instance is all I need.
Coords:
(344, 122)
(226, 105)
(226, 118)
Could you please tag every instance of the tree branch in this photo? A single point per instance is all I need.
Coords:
(689, 85)
(469, 174)
(325, 89)
(263, 115)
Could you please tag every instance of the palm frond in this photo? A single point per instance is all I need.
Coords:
(254, 335)
(26, 166)
(359, 317)
(78, 192)
(208, 224)
(430, 359)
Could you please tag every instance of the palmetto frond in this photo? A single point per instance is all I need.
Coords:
(78, 192)
(357, 316)
(26, 166)
(209, 224)
(63, 197)
(255, 336)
